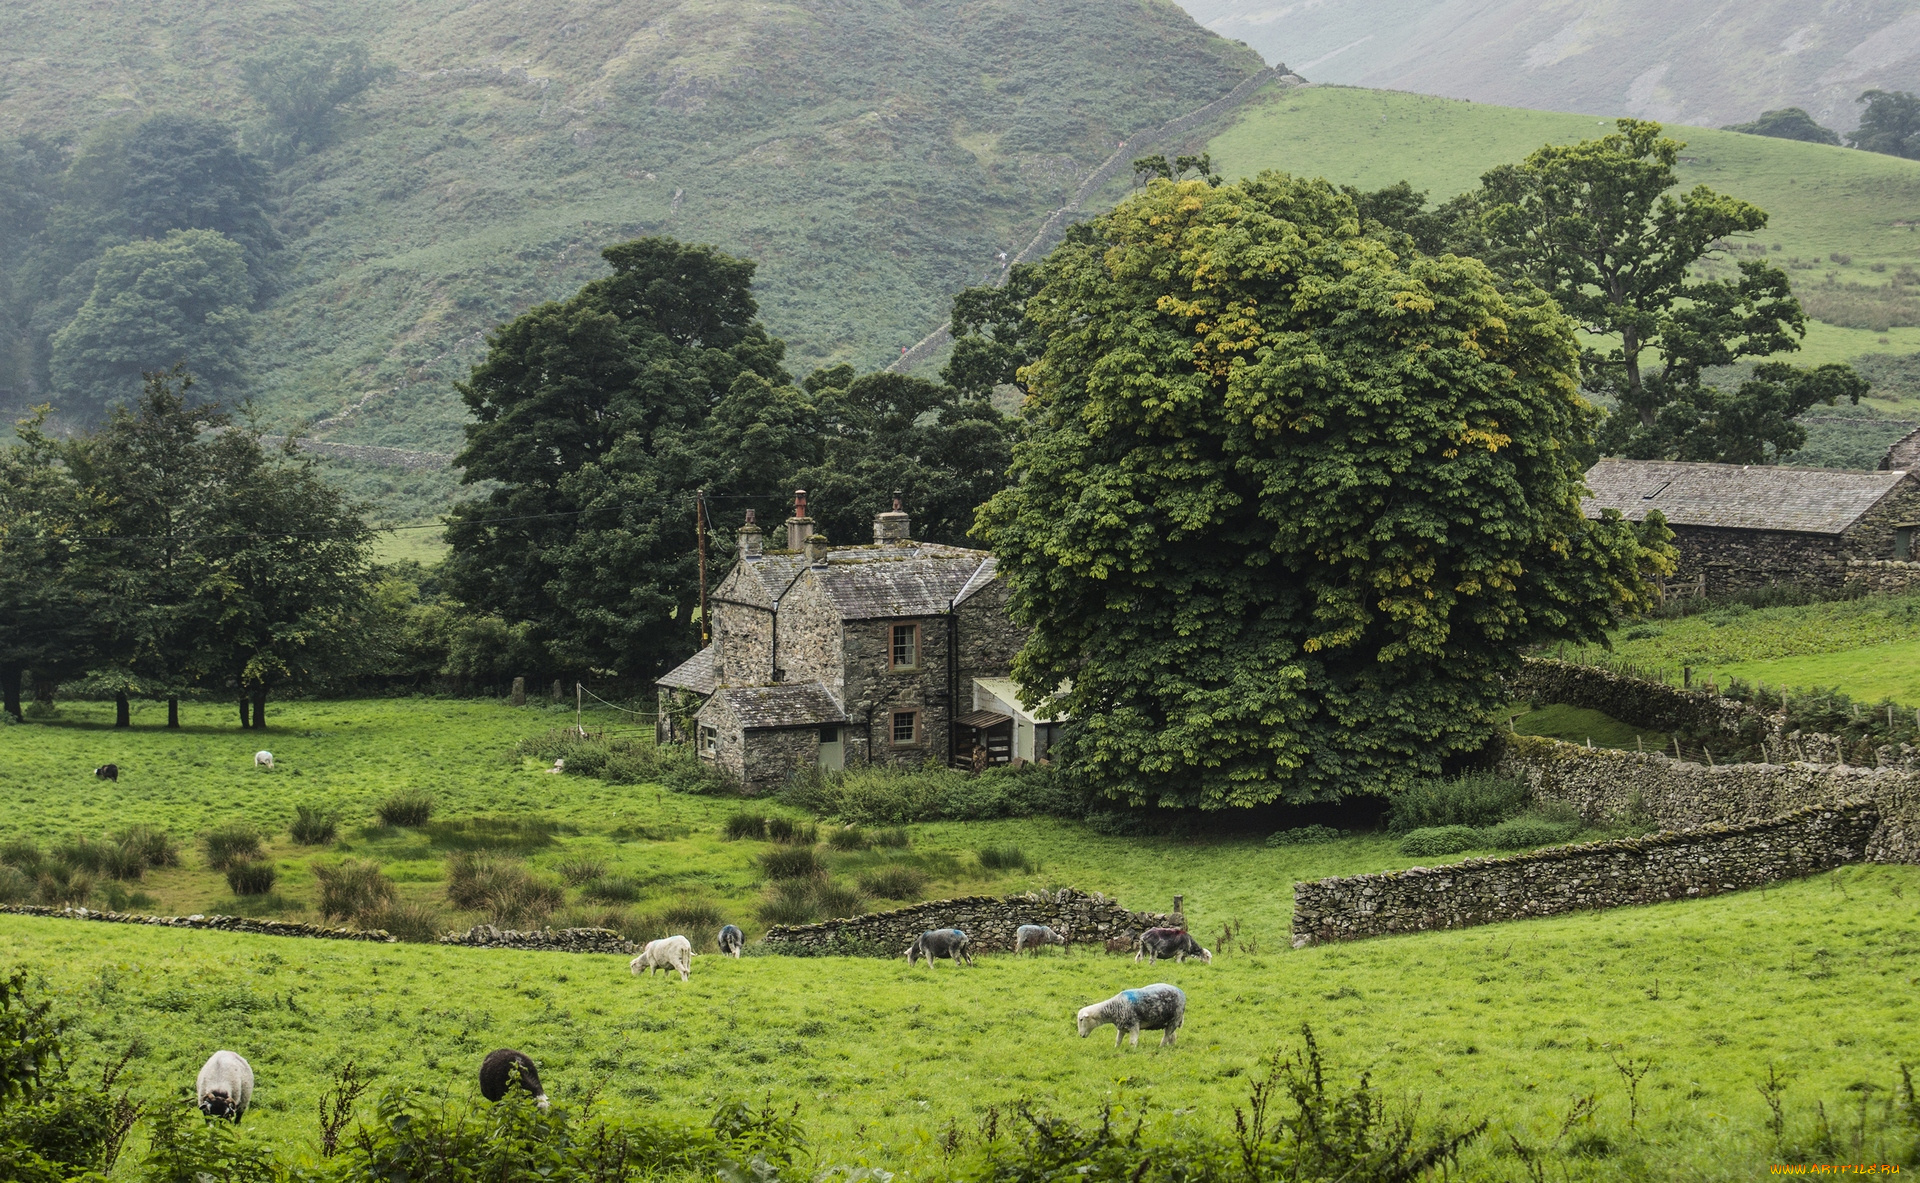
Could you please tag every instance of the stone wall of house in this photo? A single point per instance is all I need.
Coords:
(807, 648)
(1667, 866)
(265, 928)
(989, 639)
(547, 940)
(771, 754)
(989, 920)
(730, 753)
(1736, 560)
(1605, 785)
(743, 644)
(1890, 577)
(874, 692)
(1871, 537)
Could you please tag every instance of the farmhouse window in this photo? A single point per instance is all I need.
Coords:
(906, 726)
(1903, 542)
(709, 741)
(906, 646)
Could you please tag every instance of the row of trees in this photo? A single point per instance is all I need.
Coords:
(1890, 125)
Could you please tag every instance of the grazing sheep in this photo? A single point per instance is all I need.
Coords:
(1158, 1007)
(730, 940)
(1176, 943)
(108, 772)
(1033, 936)
(941, 942)
(263, 760)
(225, 1086)
(500, 1068)
(668, 953)
(1123, 943)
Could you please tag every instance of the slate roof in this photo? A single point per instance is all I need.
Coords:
(796, 704)
(864, 589)
(695, 673)
(1738, 496)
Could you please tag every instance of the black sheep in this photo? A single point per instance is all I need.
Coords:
(108, 772)
(496, 1072)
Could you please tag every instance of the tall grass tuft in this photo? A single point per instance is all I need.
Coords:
(1003, 858)
(796, 862)
(895, 882)
(582, 869)
(154, 846)
(791, 832)
(59, 885)
(849, 838)
(745, 825)
(251, 878)
(22, 853)
(235, 842)
(314, 825)
(352, 888)
(790, 902)
(690, 916)
(502, 888)
(614, 889)
(15, 886)
(411, 807)
(415, 922)
(837, 901)
(891, 838)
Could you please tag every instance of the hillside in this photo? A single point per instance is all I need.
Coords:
(1692, 61)
(872, 158)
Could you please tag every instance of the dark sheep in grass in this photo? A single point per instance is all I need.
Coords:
(1158, 1007)
(730, 940)
(941, 942)
(503, 1068)
(1036, 936)
(108, 772)
(1176, 943)
(225, 1086)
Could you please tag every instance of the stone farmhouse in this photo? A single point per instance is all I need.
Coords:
(897, 652)
(1741, 526)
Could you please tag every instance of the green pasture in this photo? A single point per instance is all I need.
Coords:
(1582, 725)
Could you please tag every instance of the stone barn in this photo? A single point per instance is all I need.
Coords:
(1739, 526)
(839, 656)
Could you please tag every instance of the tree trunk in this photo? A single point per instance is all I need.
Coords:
(173, 712)
(122, 710)
(259, 708)
(10, 690)
(43, 690)
(246, 719)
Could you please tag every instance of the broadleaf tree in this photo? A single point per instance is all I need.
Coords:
(1289, 504)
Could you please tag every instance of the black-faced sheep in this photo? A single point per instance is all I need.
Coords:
(108, 772)
(730, 940)
(1158, 1007)
(225, 1086)
(1176, 943)
(668, 953)
(503, 1068)
(263, 760)
(941, 942)
(1035, 936)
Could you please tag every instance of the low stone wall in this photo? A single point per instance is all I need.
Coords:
(1888, 577)
(566, 940)
(264, 928)
(989, 920)
(1666, 866)
(1605, 785)
(1637, 701)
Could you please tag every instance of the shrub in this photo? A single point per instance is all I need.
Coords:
(352, 888)
(793, 833)
(1476, 799)
(154, 846)
(1440, 840)
(614, 889)
(790, 902)
(745, 825)
(1003, 858)
(502, 888)
(892, 838)
(1527, 832)
(409, 808)
(15, 886)
(1303, 836)
(235, 842)
(58, 885)
(251, 878)
(582, 869)
(22, 853)
(849, 838)
(798, 862)
(838, 901)
(895, 883)
(314, 826)
(415, 922)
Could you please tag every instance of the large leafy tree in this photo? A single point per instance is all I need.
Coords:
(1290, 504)
(1890, 124)
(188, 172)
(1595, 225)
(1788, 123)
(48, 599)
(305, 85)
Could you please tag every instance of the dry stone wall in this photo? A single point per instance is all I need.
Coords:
(265, 928)
(547, 940)
(1666, 866)
(1637, 701)
(1890, 577)
(989, 920)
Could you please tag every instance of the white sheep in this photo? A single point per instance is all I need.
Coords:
(668, 953)
(225, 1086)
(263, 760)
(1032, 937)
(1158, 1007)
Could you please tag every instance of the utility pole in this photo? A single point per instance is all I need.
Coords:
(700, 527)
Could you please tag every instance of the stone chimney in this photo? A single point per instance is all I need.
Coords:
(817, 548)
(749, 540)
(799, 526)
(893, 525)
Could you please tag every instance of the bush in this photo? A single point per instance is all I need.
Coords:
(1003, 858)
(502, 888)
(892, 838)
(1440, 840)
(419, 923)
(793, 833)
(410, 808)
(1476, 799)
(895, 882)
(154, 846)
(491, 833)
(837, 901)
(1303, 836)
(798, 862)
(1527, 832)
(745, 825)
(23, 853)
(614, 889)
(583, 869)
(251, 878)
(15, 886)
(235, 842)
(352, 888)
(849, 838)
(314, 826)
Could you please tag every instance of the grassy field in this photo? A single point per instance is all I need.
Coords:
(1582, 725)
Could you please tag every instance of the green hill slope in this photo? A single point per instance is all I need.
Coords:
(873, 158)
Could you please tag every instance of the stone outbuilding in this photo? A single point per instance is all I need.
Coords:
(840, 656)
(1739, 526)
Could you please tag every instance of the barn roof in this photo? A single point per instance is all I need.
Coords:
(1738, 496)
(695, 673)
(796, 704)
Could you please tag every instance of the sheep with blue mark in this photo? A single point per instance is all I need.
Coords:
(940, 942)
(1158, 1007)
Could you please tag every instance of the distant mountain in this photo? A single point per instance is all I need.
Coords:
(1703, 62)
(873, 157)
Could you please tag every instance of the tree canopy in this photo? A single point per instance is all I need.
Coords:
(1890, 124)
(1788, 123)
(1290, 504)
(305, 84)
